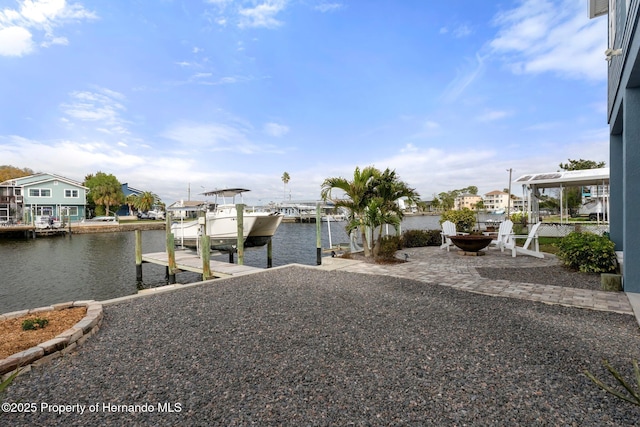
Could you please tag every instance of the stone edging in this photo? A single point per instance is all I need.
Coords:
(55, 347)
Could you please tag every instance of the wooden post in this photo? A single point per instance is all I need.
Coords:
(318, 235)
(138, 237)
(269, 254)
(206, 256)
(171, 252)
(240, 213)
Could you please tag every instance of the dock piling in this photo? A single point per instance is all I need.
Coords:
(206, 257)
(240, 215)
(318, 235)
(138, 239)
(171, 253)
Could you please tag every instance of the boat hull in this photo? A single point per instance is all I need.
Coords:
(263, 230)
(222, 232)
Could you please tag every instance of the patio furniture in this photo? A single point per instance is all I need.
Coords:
(448, 230)
(532, 237)
(505, 229)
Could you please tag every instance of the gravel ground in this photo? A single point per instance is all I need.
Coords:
(299, 346)
(551, 275)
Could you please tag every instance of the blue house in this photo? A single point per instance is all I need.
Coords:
(623, 63)
(127, 191)
(44, 194)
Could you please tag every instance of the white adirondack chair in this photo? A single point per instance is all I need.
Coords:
(505, 230)
(532, 237)
(448, 229)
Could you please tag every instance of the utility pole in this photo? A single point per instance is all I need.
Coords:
(509, 195)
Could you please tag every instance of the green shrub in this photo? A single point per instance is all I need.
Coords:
(520, 218)
(464, 219)
(389, 245)
(420, 238)
(587, 252)
(32, 324)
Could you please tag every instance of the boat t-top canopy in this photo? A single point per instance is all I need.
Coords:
(226, 192)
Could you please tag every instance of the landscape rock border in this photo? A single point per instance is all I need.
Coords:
(55, 347)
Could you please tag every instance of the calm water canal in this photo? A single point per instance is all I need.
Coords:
(48, 270)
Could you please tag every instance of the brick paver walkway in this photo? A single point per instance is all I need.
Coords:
(437, 266)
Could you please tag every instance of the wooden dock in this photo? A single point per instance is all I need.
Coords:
(191, 261)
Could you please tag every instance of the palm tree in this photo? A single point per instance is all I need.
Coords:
(358, 194)
(131, 201)
(104, 190)
(145, 201)
(387, 188)
(108, 195)
(285, 179)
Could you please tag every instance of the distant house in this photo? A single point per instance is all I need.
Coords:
(42, 194)
(467, 201)
(496, 200)
(127, 191)
(623, 114)
(187, 208)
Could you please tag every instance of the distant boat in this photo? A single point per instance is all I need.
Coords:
(103, 218)
(44, 222)
(333, 217)
(220, 223)
(499, 212)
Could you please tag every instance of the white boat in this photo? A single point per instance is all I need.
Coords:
(220, 222)
(44, 222)
(264, 228)
(333, 217)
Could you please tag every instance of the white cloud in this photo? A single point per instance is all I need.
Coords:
(102, 105)
(42, 11)
(275, 129)
(459, 31)
(463, 79)
(462, 31)
(90, 106)
(263, 15)
(50, 41)
(542, 36)
(328, 7)
(490, 116)
(40, 17)
(15, 41)
(212, 136)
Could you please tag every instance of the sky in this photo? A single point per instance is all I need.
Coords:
(181, 97)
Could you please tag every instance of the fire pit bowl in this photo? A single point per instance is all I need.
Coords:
(471, 243)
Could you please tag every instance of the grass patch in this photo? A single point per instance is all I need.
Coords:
(547, 244)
